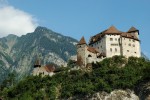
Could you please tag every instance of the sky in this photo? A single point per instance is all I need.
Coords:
(76, 18)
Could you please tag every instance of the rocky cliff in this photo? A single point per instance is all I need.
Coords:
(19, 53)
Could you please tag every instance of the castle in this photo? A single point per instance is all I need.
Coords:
(108, 43)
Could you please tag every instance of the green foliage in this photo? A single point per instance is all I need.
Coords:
(112, 73)
(71, 63)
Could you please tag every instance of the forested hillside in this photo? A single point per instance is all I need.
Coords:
(110, 74)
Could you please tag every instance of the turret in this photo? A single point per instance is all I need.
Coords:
(81, 52)
(81, 43)
(135, 31)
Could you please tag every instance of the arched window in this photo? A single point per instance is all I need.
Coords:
(89, 55)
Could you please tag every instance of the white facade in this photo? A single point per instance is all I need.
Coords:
(130, 47)
(113, 45)
(100, 45)
(113, 42)
(109, 43)
(91, 57)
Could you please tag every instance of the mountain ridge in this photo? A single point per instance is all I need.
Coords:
(19, 53)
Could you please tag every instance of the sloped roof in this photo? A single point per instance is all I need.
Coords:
(82, 41)
(93, 50)
(50, 68)
(112, 29)
(129, 35)
(132, 29)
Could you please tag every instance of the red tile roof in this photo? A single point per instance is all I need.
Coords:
(132, 29)
(112, 29)
(50, 68)
(129, 35)
(82, 41)
(91, 49)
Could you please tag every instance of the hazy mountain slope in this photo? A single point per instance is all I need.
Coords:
(20, 52)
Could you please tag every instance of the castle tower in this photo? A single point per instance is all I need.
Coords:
(134, 31)
(81, 52)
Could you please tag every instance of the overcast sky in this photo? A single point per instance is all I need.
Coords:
(76, 18)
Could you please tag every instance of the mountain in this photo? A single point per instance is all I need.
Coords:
(20, 53)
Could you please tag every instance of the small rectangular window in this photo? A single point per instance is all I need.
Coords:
(116, 49)
(129, 44)
(111, 39)
(111, 49)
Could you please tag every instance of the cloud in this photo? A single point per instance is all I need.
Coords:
(15, 21)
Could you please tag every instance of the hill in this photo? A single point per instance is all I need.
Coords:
(118, 76)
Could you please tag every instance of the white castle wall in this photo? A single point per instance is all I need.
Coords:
(112, 45)
(86, 56)
(100, 45)
(116, 45)
(130, 47)
(93, 57)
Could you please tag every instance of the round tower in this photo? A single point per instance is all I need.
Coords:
(81, 52)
